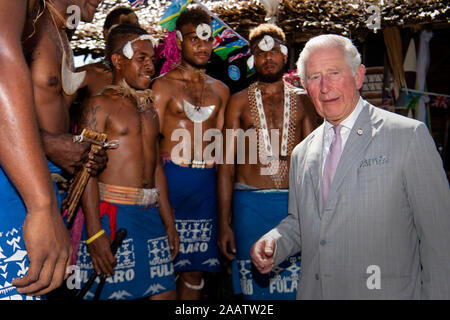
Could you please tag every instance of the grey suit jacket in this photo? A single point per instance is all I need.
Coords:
(384, 232)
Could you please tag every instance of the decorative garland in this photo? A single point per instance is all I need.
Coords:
(278, 165)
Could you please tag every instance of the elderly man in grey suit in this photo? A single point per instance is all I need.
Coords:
(369, 202)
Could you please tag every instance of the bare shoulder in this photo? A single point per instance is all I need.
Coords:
(103, 101)
(238, 101)
(240, 96)
(304, 103)
(163, 82)
(302, 97)
(306, 112)
(219, 85)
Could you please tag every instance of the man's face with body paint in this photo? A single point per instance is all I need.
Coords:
(194, 50)
(139, 70)
(269, 64)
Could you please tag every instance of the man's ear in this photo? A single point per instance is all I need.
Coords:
(117, 61)
(359, 76)
(178, 41)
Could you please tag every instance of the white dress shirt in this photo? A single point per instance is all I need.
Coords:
(347, 125)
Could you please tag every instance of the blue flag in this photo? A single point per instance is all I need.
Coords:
(169, 18)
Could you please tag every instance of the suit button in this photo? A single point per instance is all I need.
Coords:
(322, 242)
(317, 276)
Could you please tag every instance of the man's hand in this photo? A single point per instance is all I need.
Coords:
(49, 252)
(102, 258)
(262, 254)
(70, 156)
(174, 240)
(97, 161)
(225, 241)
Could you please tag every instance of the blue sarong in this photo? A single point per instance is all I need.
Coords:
(144, 264)
(254, 214)
(13, 255)
(192, 194)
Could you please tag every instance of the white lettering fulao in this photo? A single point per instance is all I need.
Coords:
(193, 247)
(119, 276)
(282, 285)
(247, 286)
(374, 280)
(161, 270)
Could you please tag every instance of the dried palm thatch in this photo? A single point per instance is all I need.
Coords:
(300, 19)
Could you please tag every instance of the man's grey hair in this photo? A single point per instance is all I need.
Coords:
(351, 54)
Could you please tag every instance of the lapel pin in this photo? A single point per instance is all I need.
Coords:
(359, 132)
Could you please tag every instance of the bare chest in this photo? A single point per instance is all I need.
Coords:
(128, 121)
(195, 102)
(272, 112)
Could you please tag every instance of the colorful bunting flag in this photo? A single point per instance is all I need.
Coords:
(439, 102)
(226, 41)
(239, 55)
(226, 34)
(137, 3)
(224, 50)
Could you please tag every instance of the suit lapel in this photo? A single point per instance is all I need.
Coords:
(314, 164)
(360, 137)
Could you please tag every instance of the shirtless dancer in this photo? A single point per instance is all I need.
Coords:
(125, 195)
(33, 240)
(189, 100)
(54, 93)
(99, 75)
(256, 197)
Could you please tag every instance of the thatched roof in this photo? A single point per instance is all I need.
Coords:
(300, 19)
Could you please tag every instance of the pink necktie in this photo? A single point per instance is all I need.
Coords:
(331, 162)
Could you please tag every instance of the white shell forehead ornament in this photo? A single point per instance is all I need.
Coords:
(128, 51)
(203, 31)
(267, 43)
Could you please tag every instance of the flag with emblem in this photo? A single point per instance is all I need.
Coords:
(224, 50)
(169, 18)
(225, 39)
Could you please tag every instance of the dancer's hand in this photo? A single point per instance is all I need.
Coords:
(225, 241)
(101, 255)
(49, 251)
(70, 156)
